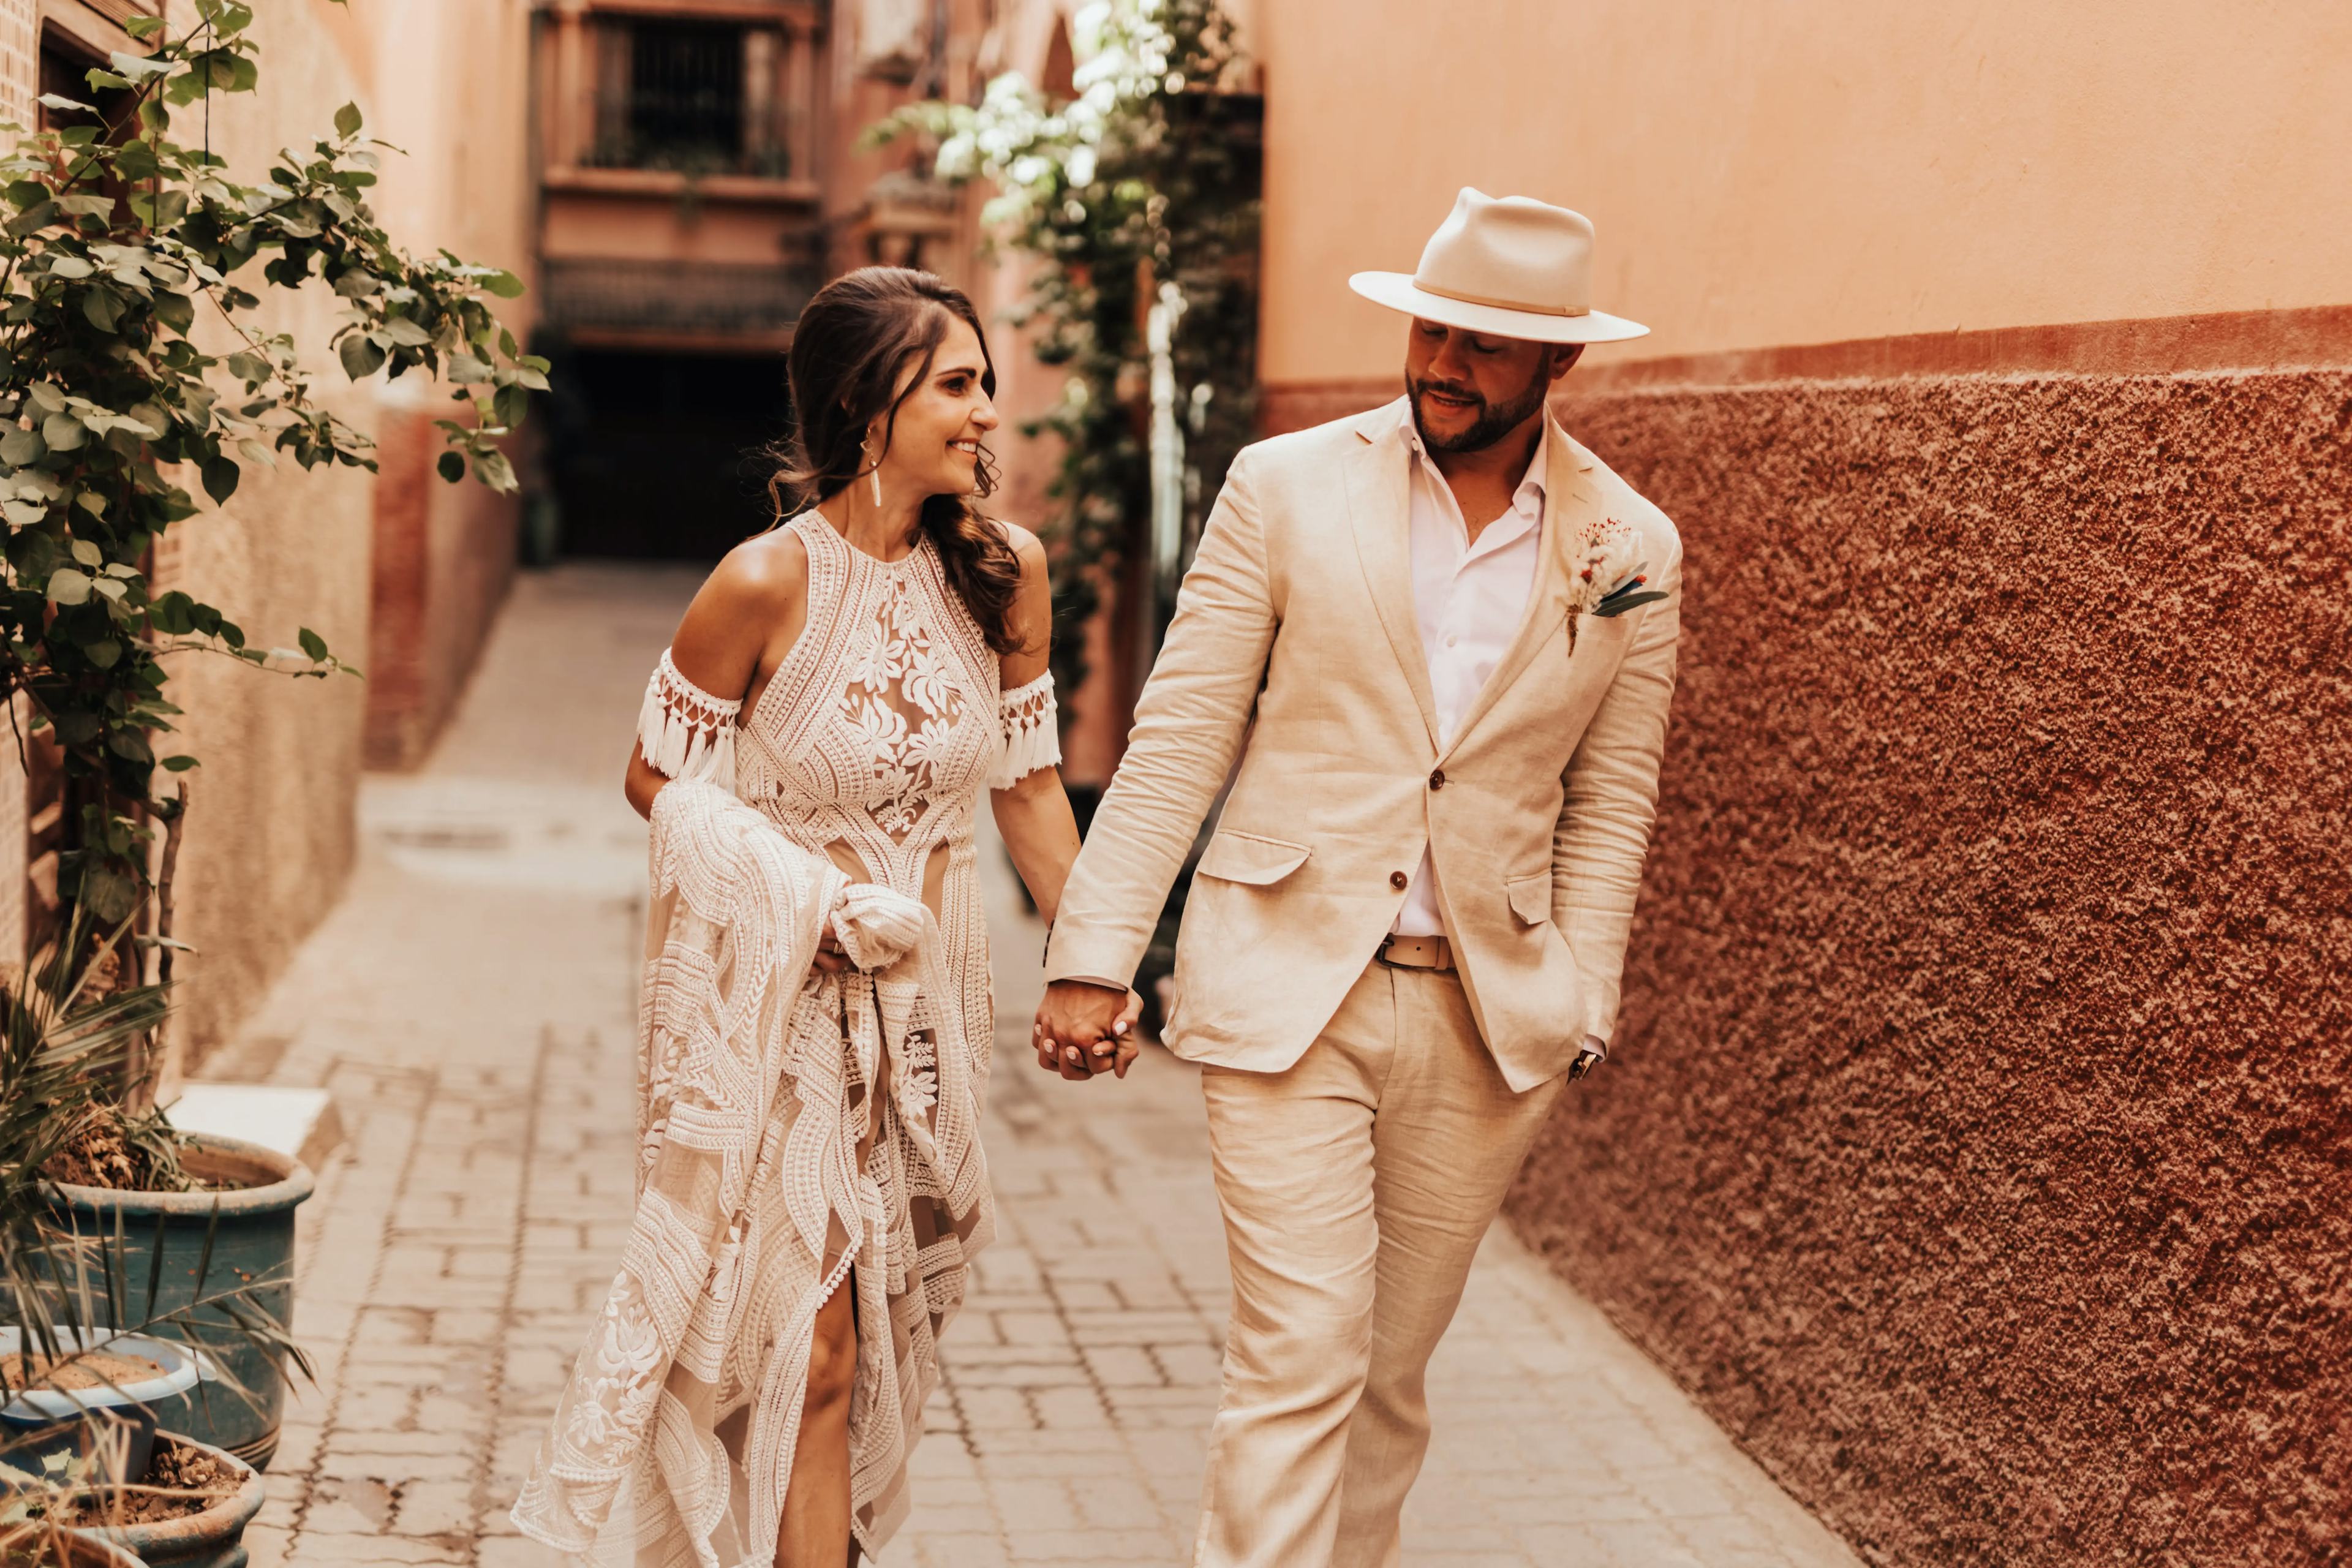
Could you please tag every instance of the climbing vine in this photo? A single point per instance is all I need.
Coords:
(1143, 188)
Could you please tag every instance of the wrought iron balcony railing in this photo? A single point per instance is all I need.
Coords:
(697, 300)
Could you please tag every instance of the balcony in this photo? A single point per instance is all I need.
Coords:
(718, 304)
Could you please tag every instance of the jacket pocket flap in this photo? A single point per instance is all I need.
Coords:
(1245, 858)
(1530, 897)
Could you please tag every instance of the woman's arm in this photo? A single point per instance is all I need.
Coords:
(1031, 813)
(1034, 815)
(742, 623)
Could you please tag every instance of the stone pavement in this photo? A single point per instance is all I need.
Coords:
(470, 1006)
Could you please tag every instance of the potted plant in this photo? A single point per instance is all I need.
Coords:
(132, 378)
(97, 1349)
(188, 1509)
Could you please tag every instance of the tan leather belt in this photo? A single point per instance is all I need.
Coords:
(1415, 953)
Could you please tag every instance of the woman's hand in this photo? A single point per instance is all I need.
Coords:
(1083, 1052)
(1128, 1050)
(829, 954)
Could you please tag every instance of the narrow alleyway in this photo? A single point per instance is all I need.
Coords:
(470, 1006)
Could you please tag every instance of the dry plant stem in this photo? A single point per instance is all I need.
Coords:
(139, 1088)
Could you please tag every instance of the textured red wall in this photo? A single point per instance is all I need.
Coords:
(442, 558)
(1976, 1144)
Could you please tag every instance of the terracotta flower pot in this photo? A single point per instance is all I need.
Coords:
(212, 1539)
(251, 1227)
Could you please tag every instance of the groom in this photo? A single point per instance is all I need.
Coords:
(1453, 629)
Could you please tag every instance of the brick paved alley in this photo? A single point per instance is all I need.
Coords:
(471, 1006)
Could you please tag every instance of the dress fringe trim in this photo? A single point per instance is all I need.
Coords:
(1033, 733)
(684, 730)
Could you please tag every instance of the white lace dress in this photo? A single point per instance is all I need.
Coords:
(796, 1129)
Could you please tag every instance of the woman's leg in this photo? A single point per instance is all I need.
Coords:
(816, 1532)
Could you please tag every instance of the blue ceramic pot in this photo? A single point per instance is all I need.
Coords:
(40, 1422)
(250, 1223)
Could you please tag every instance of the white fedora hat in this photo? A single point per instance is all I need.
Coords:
(1509, 267)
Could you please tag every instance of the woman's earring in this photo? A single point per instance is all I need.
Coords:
(874, 473)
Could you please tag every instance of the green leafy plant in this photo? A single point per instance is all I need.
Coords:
(129, 373)
(1138, 184)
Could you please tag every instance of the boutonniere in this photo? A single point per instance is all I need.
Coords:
(1606, 577)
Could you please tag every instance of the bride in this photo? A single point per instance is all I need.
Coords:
(816, 1021)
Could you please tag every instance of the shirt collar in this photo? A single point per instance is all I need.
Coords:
(1532, 484)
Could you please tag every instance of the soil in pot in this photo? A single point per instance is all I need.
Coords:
(89, 1369)
(187, 1482)
(102, 1156)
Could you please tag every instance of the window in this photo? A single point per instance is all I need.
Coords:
(64, 68)
(699, 97)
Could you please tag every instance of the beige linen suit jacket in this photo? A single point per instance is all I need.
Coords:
(1299, 614)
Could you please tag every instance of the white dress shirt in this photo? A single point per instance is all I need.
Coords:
(1468, 600)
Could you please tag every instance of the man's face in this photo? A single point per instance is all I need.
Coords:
(1469, 391)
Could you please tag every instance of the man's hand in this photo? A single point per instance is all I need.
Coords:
(1084, 1028)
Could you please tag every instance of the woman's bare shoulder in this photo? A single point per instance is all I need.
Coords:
(1026, 546)
(769, 569)
(760, 584)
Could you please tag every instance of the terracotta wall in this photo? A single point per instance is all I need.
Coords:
(1974, 1145)
(447, 82)
(1975, 1148)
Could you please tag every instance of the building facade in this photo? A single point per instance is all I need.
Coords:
(698, 173)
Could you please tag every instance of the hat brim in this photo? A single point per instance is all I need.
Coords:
(1398, 291)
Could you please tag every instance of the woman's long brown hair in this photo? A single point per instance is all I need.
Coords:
(854, 341)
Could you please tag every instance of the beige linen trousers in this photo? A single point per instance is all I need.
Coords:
(1365, 1121)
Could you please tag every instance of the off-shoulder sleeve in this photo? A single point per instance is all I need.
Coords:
(685, 732)
(1033, 733)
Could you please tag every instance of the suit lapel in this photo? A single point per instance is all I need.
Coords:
(1379, 475)
(1571, 505)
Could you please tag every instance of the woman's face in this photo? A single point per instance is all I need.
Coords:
(935, 450)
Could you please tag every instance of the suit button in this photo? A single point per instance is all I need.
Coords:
(1437, 779)
(1398, 879)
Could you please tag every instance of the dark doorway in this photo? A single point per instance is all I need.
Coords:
(659, 456)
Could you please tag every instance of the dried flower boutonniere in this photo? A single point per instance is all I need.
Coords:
(1607, 578)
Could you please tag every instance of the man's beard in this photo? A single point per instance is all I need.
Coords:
(1495, 421)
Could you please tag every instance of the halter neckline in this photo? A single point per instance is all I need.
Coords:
(922, 542)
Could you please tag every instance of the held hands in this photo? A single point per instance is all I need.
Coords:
(1084, 1030)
